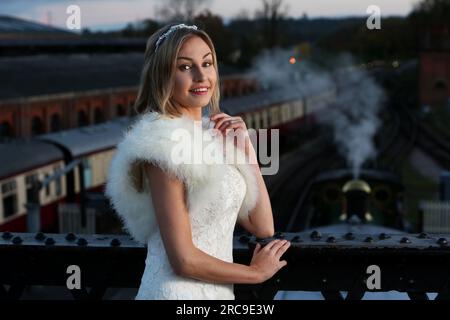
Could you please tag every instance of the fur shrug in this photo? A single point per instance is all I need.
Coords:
(151, 139)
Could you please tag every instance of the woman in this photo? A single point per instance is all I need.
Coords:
(185, 211)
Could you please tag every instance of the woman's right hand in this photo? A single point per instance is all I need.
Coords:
(266, 260)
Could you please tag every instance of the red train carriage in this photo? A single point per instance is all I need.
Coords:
(94, 147)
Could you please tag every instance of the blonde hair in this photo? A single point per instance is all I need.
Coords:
(157, 78)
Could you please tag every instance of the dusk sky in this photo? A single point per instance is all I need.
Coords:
(113, 14)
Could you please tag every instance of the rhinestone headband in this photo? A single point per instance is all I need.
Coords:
(172, 29)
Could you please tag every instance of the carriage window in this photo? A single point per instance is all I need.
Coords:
(248, 121)
(29, 185)
(257, 118)
(58, 181)
(87, 172)
(265, 119)
(9, 194)
(47, 187)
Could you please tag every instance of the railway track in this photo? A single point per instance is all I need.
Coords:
(412, 131)
(404, 141)
(436, 147)
(289, 189)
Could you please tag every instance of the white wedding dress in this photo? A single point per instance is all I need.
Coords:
(212, 232)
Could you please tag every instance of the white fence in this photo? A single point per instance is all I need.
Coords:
(69, 215)
(436, 216)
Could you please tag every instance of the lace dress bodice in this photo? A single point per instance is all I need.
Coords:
(212, 228)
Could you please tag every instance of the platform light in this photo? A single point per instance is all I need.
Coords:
(292, 60)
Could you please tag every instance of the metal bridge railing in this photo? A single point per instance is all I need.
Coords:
(328, 263)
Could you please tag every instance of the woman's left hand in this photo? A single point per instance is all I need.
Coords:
(225, 123)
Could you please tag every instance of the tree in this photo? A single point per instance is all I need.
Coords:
(213, 25)
(243, 14)
(245, 41)
(432, 11)
(271, 13)
(431, 22)
(180, 10)
(142, 28)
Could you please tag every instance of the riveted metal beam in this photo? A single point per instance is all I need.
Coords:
(317, 261)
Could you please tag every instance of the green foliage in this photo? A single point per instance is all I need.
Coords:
(395, 40)
(240, 40)
(213, 25)
(142, 28)
(429, 12)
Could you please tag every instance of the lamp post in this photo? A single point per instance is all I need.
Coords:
(33, 205)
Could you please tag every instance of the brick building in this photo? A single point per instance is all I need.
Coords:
(41, 94)
(435, 66)
(48, 93)
(57, 89)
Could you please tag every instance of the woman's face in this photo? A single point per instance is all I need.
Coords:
(195, 75)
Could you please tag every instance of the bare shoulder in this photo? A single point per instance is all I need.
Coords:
(156, 174)
(166, 189)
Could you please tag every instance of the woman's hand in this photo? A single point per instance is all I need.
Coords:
(225, 123)
(266, 260)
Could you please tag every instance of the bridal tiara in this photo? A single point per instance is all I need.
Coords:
(172, 29)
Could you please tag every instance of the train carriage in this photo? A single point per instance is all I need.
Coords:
(21, 163)
(42, 157)
(94, 147)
